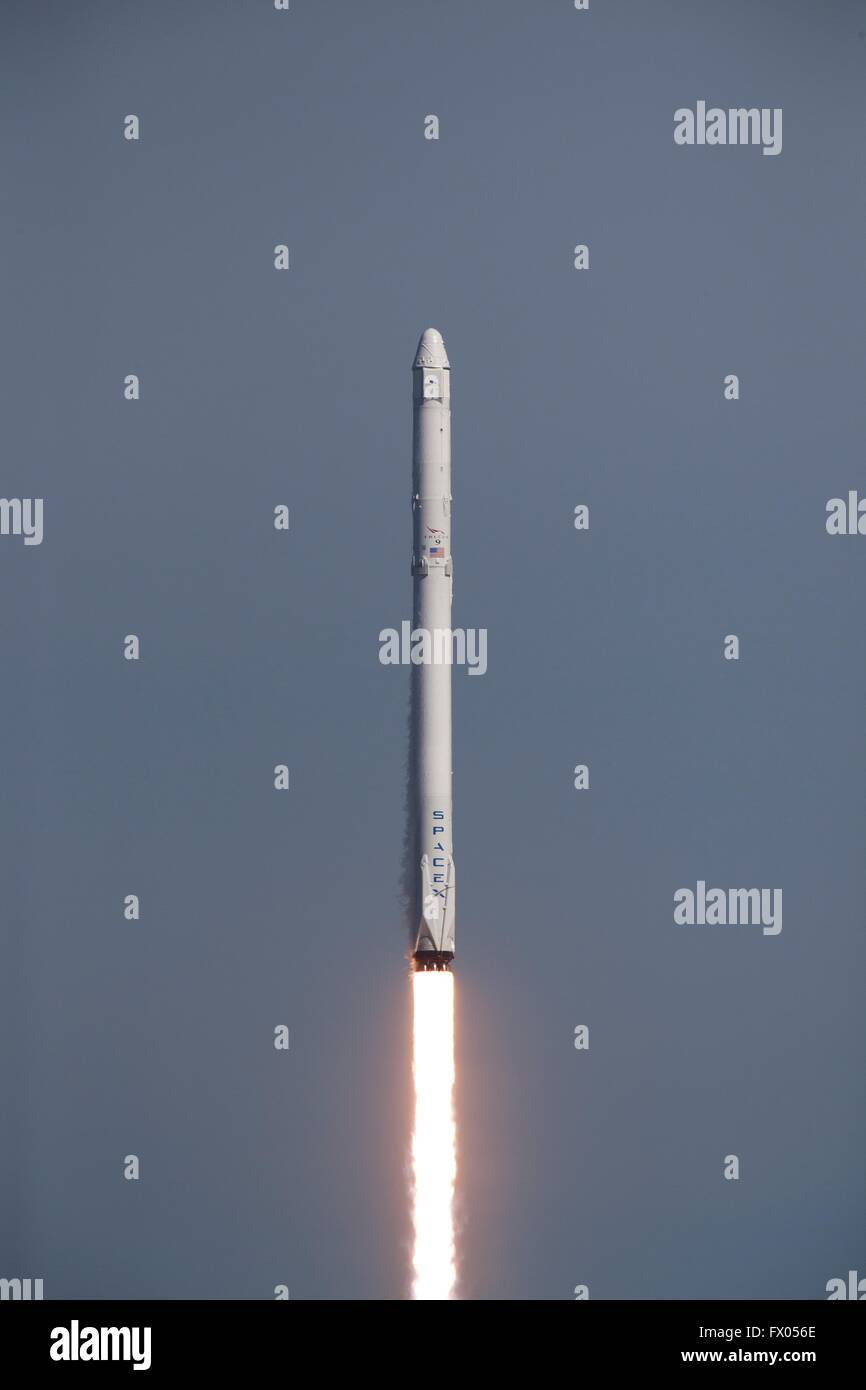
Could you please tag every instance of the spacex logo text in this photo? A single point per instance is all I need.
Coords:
(439, 864)
(75, 1343)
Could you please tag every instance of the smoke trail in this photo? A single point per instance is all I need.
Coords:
(434, 1139)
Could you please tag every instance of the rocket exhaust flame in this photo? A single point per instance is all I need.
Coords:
(434, 1139)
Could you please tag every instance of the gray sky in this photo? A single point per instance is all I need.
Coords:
(707, 518)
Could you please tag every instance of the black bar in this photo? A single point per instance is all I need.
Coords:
(210, 1338)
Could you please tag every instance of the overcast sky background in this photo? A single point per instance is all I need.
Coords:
(707, 518)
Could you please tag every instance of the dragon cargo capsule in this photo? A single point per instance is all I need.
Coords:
(430, 752)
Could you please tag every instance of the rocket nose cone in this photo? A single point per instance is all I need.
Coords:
(431, 350)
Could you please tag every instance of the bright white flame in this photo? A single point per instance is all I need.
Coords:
(434, 1141)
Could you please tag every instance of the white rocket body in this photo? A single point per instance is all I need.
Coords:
(433, 866)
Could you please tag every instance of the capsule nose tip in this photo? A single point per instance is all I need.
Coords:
(431, 350)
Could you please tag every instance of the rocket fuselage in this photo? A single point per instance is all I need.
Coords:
(433, 861)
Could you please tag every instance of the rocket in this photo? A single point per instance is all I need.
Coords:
(430, 732)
